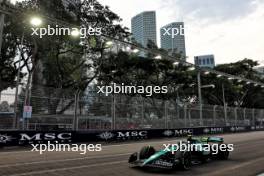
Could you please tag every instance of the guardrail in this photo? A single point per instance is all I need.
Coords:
(8, 138)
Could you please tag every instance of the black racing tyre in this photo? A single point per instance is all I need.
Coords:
(223, 155)
(132, 158)
(204, 158)
(146, 152)
(185, 161)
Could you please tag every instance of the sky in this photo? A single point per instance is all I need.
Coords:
(230, 29)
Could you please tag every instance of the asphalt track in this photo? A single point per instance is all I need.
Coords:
(246, 160)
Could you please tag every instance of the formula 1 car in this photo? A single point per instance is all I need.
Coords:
(166, 159)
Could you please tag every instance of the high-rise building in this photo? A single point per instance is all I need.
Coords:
(207, 61)
(260, 70)
(143, 27)
(71, 2)
(172, 38)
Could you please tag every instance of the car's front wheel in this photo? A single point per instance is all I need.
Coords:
(133, 158)
(186, 161)
(146, 152)
(223, 155)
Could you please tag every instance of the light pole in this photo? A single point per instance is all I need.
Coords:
(35, 21)
(200, 97)
(225, 110)
(200, 87)
(16, 119)
(2, 20)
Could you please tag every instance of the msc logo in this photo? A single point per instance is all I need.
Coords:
(237, 128)
(181, 132)
(5, 138)
(123, 135)
(106, 135)
(213, 130)
(132, 134)
(45, 136)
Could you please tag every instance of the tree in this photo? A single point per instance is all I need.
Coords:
(237, 93)
(61, 62)
(182, 82)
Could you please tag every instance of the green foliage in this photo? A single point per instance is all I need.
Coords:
(182, 83)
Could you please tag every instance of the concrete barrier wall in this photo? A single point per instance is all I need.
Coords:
(9, 138)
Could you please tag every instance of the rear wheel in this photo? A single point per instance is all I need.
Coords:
(146, 152)
(186, 161)
(223, 155)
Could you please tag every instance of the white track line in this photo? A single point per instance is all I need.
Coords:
(237, 166)
(62, 160)
(68, 168)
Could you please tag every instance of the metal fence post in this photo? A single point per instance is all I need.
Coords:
(201, 114)
(244, 115)
(166, 114)
(185, 115)
(235, 111)
(225, 113)
(76, 103)
(262, 114)
(215, 106)
(113, 103)
(142, 112)
(253, 117)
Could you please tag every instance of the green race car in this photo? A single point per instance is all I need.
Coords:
(200, 150)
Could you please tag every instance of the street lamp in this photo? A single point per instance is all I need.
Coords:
(127, 48)
(208, 86)
(158, 57)
(135, 50)
(75, 33)
(191, 68)
(207, 73)
(176, 63)
(109, 43)
(35, 21)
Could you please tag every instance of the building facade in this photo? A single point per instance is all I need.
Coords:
(143, 27)
(172, 38)
(205, 61)
(260, 70)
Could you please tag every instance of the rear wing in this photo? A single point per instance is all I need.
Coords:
(206, 139)
(215, 139)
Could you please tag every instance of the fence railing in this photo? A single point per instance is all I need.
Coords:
(64, 110)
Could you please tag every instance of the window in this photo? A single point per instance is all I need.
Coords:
(208, 61)
(212, 61)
